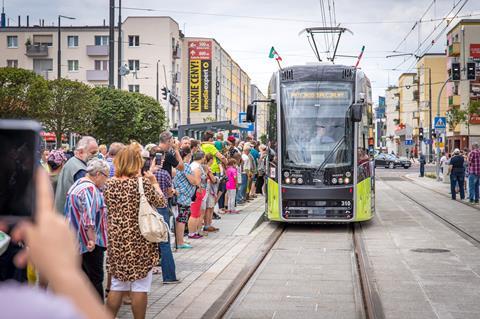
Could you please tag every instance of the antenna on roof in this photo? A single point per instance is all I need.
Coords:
(3, 17)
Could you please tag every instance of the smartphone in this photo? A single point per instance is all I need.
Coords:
(158, 159)
(146, 165)
(19, 158)
(4, 241)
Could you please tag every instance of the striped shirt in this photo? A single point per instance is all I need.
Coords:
(112, 167)
(85, 207)
(183, 186)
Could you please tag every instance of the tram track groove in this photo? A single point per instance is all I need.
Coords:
(457, 229)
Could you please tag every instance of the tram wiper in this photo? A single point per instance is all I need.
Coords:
(329, 156)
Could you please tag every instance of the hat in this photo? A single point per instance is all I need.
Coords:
(56, 158)
(456, 151)
(231, 139)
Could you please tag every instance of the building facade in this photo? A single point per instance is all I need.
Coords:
(392, 119)
(215, 87)
(463, 47)
(261, 122)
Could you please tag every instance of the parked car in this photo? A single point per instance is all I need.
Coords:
(405, 162)
(387, 160)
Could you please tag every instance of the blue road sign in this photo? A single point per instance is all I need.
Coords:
(408, 142)
(242, 121)
(440, 122)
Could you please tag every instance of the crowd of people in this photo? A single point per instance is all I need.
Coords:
(462, 168)
(96, 189)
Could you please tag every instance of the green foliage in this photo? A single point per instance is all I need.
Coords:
(121, 116)
(23, 94)
(71, 108)
(456, 116)
(263, 138)
(474, 108)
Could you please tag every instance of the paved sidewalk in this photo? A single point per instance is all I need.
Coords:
(208, 268)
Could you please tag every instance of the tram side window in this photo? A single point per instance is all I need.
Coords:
(272, 139)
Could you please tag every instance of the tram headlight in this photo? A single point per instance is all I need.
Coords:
(334, 180)
(340, 180)
(294, 180)
(287, 180)
(286, 174)
(346, 180)
(299, 180)
(348, 174)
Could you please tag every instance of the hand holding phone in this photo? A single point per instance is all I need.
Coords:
(159, 159)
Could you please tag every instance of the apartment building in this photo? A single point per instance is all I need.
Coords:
(215, 87)
(151, 55)
(261, 122)
(392, 118)
(432, 74)
(463, 46)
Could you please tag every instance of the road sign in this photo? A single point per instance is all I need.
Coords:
(439, 144)
(427, 141)
(440, 122)
(408, 142)
(242, 122)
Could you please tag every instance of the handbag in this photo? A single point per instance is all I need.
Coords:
(152, 226)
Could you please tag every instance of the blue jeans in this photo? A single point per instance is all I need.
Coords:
(166, 260)
(460, 178)
(242, 192)
(473, 184)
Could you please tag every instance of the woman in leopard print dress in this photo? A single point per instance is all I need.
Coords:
(131, 257)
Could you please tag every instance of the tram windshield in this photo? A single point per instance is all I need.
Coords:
(317, 131)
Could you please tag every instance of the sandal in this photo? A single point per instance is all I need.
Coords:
(157, 270)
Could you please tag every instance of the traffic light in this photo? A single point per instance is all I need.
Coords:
(165, 91)
(456, 71)
(434, 135)
(471, 71)
(420, 133)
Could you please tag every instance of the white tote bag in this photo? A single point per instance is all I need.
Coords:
(152, 226)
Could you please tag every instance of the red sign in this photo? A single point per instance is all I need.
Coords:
(475, 51)
(474, 119)
(200, 50)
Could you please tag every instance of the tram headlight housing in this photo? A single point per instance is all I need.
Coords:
(340, 180)
(286, 174)
(348, 174)
(346, 180)
(287, 180)
(294, 180)
(299, 180)
(334, 180)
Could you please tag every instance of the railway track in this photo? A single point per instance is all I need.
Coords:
(367, 301)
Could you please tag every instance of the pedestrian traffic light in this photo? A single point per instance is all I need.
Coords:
(165, 91)
(420, 133)
(456, 71)
(471, 71)
(434, 135)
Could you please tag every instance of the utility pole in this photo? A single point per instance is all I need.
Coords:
(157, 85)
(119, 59)
(59, 43)
(444, 137)
(111, 46)
(430, 113)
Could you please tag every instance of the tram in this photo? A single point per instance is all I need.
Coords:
(320, 137)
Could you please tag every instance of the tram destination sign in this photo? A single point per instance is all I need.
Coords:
(322, 95)
(200, 76)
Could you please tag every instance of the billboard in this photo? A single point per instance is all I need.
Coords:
(200, 76)
(475, 51)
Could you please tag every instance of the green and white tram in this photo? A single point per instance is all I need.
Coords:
(320, 136)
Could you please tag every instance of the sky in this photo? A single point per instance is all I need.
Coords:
(247, 29)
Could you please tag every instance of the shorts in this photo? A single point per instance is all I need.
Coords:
(183, 214)
(140, 285)
(196, 206)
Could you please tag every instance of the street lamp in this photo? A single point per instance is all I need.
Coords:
(157, 88)
(59, 51)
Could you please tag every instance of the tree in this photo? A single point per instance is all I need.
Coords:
(121, 116)
(23, 94)
(70, 109)
(455, 116)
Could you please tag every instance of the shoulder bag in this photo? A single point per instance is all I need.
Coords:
(152, 226)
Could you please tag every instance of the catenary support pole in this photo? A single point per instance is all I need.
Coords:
(111, 46)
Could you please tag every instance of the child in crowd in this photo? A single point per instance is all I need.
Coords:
(231, 185)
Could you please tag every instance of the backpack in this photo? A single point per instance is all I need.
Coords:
(152, 226)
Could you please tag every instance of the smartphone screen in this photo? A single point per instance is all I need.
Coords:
(18, 158)
(158, 159)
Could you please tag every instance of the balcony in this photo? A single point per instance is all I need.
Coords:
(36, 50)
(454, 100)
(454, 49)
(97, 50)
(97, 75)
(177, 77)
(177, 52)
(416, 95)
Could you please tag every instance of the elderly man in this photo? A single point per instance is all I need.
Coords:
(473, 174)
(74, 169)
(87, 214)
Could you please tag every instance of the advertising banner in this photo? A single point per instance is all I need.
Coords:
(200, 76)
(475, 51)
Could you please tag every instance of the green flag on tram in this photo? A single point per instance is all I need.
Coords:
(274, 54)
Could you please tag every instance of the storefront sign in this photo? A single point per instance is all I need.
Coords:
(200, 76)
(475, 51)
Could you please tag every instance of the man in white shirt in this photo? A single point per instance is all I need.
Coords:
(246, 169)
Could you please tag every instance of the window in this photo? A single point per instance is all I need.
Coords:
(43, 39)
(72, 65)
(12, 41)
(134, 88)
(12, 63)
(134, 65)
(101, 40)
(72, 41)
(101, 65)
(133, 41)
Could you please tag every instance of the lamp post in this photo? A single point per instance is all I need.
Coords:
(59, 51)
(157, 88)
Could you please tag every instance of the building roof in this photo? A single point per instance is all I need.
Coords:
(407, 74)
(157, 17)
(464, 22)
(38, 28)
